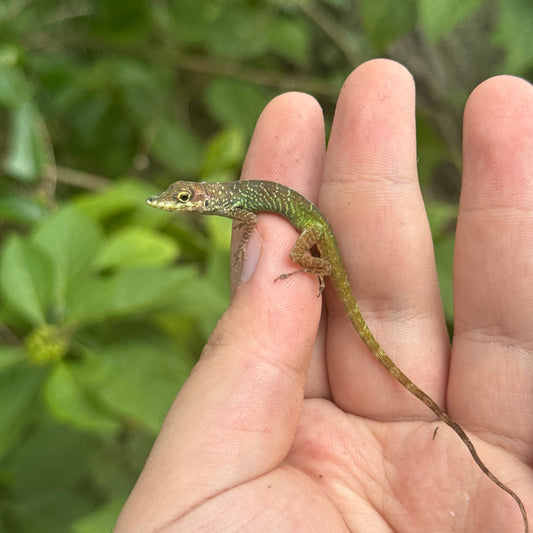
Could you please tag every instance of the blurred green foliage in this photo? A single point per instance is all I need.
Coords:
(105, 303)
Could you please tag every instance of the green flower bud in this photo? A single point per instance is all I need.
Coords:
(46, 344)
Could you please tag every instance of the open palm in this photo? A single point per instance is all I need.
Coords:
(287, 423)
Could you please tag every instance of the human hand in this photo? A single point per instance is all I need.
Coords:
(279, 428)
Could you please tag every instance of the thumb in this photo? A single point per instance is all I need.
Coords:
(235, 417)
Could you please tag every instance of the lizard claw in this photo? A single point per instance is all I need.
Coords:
(321, 282)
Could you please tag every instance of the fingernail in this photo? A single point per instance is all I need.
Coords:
(253, 251)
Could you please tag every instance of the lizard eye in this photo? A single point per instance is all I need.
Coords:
(184, 196)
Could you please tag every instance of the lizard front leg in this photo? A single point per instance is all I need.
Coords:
(247, 220)
(301, 254)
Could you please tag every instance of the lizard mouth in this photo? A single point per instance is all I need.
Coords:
(157, 201)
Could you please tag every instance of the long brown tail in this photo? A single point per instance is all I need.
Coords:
(366, 335)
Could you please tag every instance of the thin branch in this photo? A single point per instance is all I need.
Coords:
(216, 66)
(335, 31)
(77, 178)
(278, 80)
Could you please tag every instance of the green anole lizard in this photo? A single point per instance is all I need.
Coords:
(241, 201)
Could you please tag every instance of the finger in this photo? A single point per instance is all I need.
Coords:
(372, 198)
(288, 147)
(288, 144)
(491, 379)
(236, 415)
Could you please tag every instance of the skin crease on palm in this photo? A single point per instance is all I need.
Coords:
(287, 423)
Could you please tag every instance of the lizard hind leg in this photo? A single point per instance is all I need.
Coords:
(300, 254)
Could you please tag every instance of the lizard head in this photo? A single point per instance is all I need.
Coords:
(184, 196)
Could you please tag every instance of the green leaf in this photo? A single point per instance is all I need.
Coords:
(235, 104)
(204, 299)
(141, 85)
(116, 470)
(438, 19)
(442, 219)
(444, 259)
(191, 19)
(19, 386)
(238, 32)
(52, 510)
(224, 152)
(48, 469)
(10, 355)
(27, 152)
(51, 451)
(126, 198)
(514, 31)
(103, 519)
(137, 247)
(201, 297)
(27, 279)
(14, 89)
(72, 239)
(89, 301)
(385, 21)
(290, 38)
(120, 21)
(137, 381)
(140, 290)
(127, 292)
(123, 196)
(219, 230)
(68, 402)
(176, 146)
(21, 209)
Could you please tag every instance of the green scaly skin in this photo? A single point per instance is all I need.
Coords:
(241, 201)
